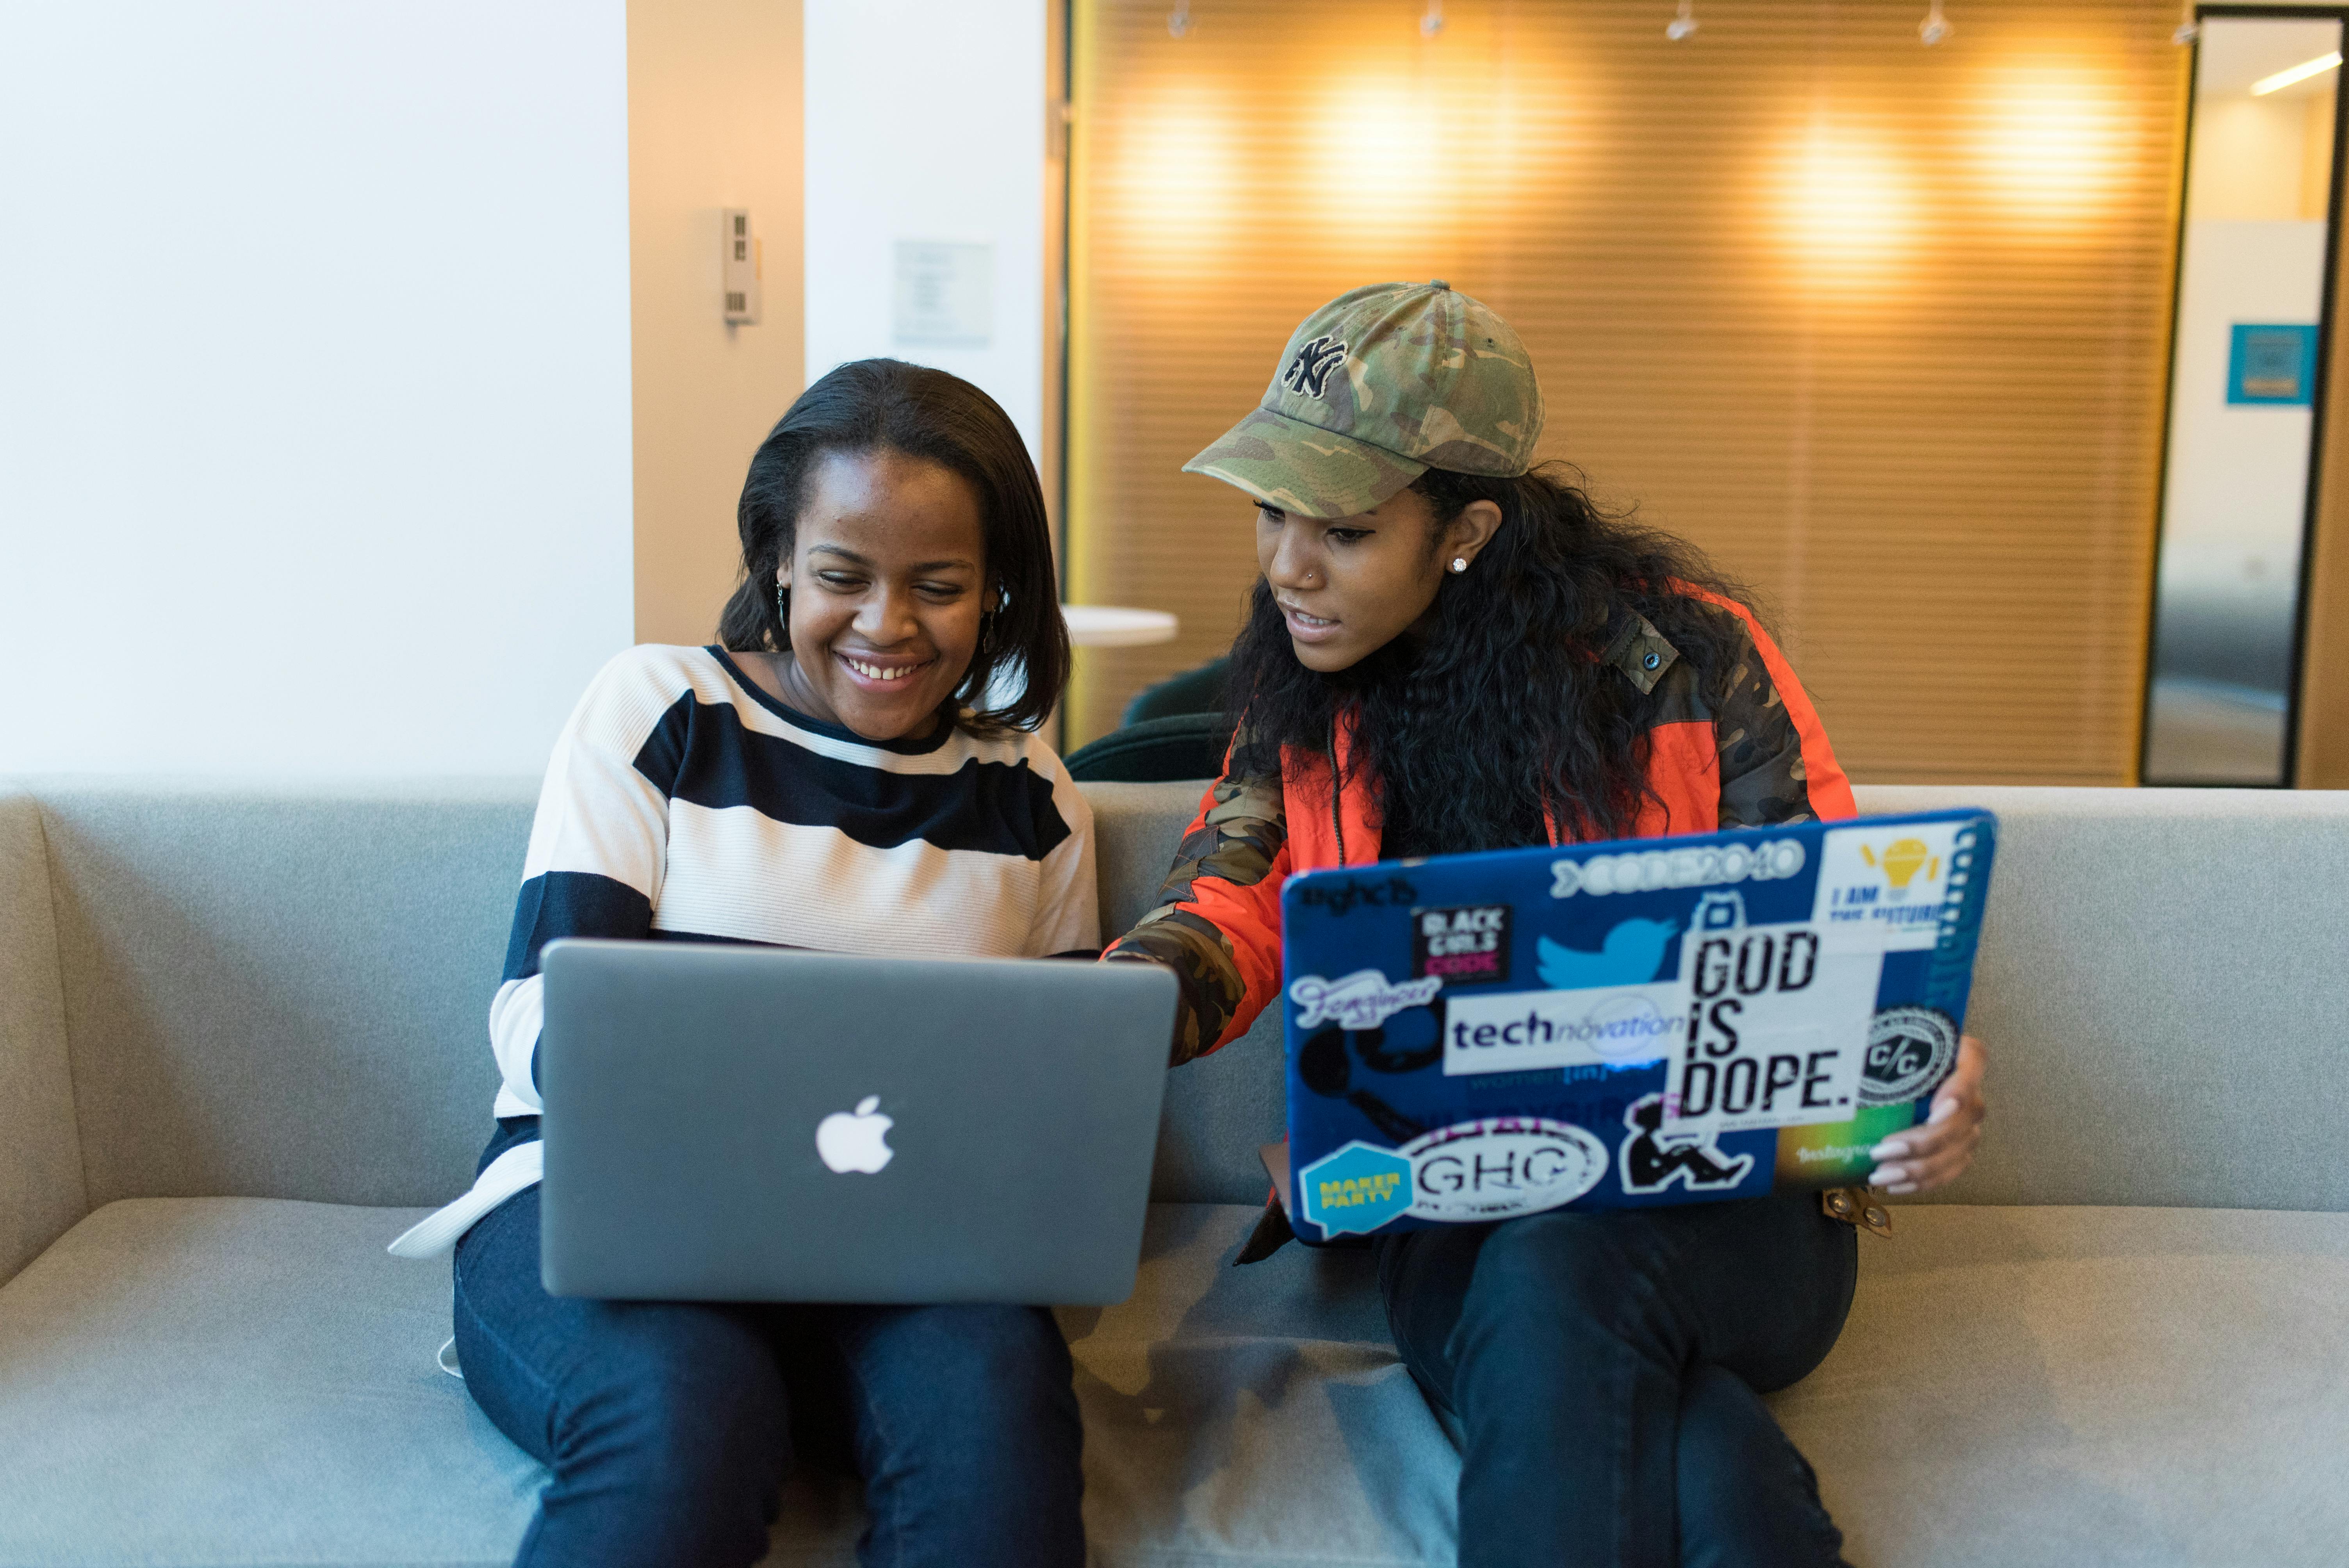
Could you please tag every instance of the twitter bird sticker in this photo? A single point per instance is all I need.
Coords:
(1631, 954)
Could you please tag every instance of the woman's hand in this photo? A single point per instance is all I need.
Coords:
(1938, 1152)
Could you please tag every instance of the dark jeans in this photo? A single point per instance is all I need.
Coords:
(669, 1426)
(1604, 1374)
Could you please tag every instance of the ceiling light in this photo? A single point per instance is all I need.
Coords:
(1683, 26)
(2299, 73)
(1935, 26)
(1178, 20)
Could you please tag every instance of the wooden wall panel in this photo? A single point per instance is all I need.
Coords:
(1882, 327)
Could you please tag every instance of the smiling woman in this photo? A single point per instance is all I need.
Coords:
(901, 525)
(831, 777)
(890, 559)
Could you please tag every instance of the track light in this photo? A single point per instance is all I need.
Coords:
(1935, 27)
(1431, 21)
(1178, 20)
(1682, 27)
(2189, 29)
(2299, 73)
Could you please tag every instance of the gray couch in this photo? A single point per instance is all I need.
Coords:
(241, 1046)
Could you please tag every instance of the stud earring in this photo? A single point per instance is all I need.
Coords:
(1459, 564)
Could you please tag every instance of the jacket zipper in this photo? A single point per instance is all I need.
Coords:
(1337, 822)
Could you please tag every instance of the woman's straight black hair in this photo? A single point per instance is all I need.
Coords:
(1502, 718)
(887, 405)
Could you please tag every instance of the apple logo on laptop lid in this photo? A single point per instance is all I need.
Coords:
(855, 1141)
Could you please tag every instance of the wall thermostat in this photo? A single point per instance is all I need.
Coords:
(741, 272)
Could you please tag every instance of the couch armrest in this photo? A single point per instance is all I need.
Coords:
(41, 1189)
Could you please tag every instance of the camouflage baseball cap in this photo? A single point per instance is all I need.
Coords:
(1378, 386)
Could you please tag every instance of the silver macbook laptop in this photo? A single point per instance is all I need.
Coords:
(752, 1124)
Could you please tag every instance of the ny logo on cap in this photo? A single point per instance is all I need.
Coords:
(1310, 369)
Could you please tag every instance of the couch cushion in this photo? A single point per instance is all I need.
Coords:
(218, 1382)
(41, 1189)
(2160, 988)
(1254, 1415)
(284, 995)
(1221, 1107)
(2016, 1386)
(188, 1381)
(2044, 1386)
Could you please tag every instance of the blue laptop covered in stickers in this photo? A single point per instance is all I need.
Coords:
(1472, 1037)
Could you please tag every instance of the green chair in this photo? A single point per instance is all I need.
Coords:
(1192, 691)
(1155, 751)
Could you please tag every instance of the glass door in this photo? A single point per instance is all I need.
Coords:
(2254, 263)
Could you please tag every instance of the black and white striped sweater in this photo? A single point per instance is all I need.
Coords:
(684, 803)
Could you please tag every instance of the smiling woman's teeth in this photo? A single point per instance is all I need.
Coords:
(875, 673)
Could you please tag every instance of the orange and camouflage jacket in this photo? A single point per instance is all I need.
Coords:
(1748, 754)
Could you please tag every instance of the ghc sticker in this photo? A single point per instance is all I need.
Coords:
(1359, 1187)
(1499, 1166)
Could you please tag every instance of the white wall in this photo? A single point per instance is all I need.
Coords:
(926, 122)
(2239, 471)
(2260, 158)
(313, 382)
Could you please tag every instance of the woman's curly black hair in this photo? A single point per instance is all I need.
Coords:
(877, 405)
(1503, 711)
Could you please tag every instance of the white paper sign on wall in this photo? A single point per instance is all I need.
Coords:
(945, 294)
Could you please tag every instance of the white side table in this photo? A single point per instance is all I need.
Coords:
(1092, 627)
(1110, 626)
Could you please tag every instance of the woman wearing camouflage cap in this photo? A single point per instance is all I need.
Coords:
(1449, 650)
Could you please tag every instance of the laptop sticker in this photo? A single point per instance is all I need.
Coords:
(1910, 1051)
(1518, 1031)
(1698, 866)
(1363, 1000)
(1653, 1158)
(1466, 944)
(1498, 1167)
(1356, 1188)
(1630, 956)
(1777, 1027)
(1883, 889)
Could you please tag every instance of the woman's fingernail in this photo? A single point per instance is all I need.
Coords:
(1901, 1189)
(1943, 1110)
(1885, 1175)
(1890, 1148)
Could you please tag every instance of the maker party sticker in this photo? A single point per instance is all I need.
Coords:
(1501, 1166)
(1355, 1187)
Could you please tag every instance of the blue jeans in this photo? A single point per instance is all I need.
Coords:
(1601, 1372)
(669, 1426)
